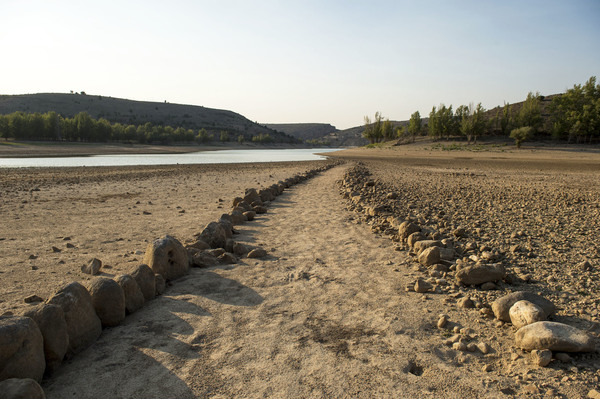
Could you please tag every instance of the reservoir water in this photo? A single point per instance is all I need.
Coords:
(220, 156)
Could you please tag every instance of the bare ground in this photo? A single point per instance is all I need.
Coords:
(325, 315)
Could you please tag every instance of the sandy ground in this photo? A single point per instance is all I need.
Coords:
(325, 315)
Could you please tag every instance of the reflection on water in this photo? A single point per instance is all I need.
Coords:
(221, 156)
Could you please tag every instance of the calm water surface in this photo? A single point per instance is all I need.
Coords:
(221, 156)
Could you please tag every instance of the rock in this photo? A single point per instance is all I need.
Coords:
(483, 348)
(523, 313)
(259, 209)
(501, 306)
(200, 244)
(144, 277)
(465, 303)
(460, 232)
(489, 286)
(21, 388)
(553, 336)
(245, 206)
(407, 228)
(414, 238)
(479, 274)
(83, 325)
(33, 299)
(229, 245)
(594, 394)
(422, 245)
(134, 299)
(159, 284)
(227, 258)
(250, 215)
(108, 300)
(227, 226)
(238, 217)
(92, 267)
(50, 319)
(168, 257)
(251, 196)
(541, 357)
(257, 253)
(447, 254)
(422, 286)
(214, 235)
(585, 265)
(429, 256)
(563, 357)
(442, 321)
(240, 249)
(459, 346)
(21, 349)
(204, 259)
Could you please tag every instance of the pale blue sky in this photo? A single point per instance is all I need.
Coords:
(301, 61)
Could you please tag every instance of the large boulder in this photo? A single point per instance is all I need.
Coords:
(168, 257)
(501, 306)
(422, 245)
(214, 235)
(252, 196)
(407, 228)
(414, 238)
(83, 325)
(430, 256)
(257, 253)
(479, 274)
(553, 336)
(523, 313)
(51, 321)
(227, 225)
(134, 299)
(108, 299)
(144, 277)
(21, 388)
(21, 349)
(204, 259)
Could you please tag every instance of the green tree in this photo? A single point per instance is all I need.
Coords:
(374, 130)
(224, 136)
(506, 119)
(531, 113)
(522, 134)
(240, 139)
(387, 130)
(415, 125)
(434, 123)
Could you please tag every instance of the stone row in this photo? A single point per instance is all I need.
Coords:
(453, 263)
(37, 341)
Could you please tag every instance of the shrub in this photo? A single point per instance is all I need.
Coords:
(521, 134)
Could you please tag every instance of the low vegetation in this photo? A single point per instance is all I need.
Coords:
(573, 116)
(51, 126)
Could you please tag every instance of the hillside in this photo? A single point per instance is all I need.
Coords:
(117, 110)
(304, 131)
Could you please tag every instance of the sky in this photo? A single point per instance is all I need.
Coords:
(301, 61)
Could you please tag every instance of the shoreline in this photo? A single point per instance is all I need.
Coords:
(21, 149)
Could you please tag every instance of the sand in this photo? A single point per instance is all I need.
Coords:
(324, 315)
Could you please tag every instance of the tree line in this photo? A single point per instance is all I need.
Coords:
(573, 116)
(51, 126)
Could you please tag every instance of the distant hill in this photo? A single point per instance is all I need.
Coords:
(304, 131)
(117, 110)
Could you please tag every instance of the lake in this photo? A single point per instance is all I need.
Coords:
(219, 156)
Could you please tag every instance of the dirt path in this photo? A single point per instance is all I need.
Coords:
(325, 315)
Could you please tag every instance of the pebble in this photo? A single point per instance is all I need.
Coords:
(33, 299)
(541, 357)
(465, 303)
(483, 348)
(442, 321)
(487, 368)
